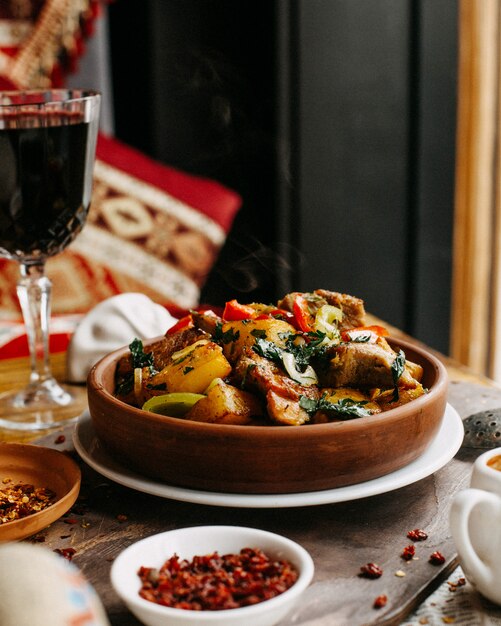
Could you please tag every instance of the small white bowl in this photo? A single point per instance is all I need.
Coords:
(189, 542)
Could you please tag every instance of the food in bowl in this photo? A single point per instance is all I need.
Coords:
(187, 543)
(215, 582)
(18, 500)
(309, 359)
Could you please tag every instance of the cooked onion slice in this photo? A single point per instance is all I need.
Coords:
(138, 383)
(306, 378)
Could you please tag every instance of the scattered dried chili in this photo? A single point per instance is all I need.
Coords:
(371, 570)
(380, 601)
(122, 518)
(67, 553)
(214, 582)
(23, 499)
(408, 553)
(437, 558)
(417, 535)
(60, 439)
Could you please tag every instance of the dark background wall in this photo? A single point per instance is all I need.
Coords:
(334, 119)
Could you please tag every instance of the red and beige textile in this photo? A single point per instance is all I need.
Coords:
(151, 228)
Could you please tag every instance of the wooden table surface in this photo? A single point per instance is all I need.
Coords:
(340, 537)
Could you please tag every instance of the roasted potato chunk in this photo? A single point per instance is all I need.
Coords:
(243, 333)
(386, 398)
(194, 369)
(226, 404)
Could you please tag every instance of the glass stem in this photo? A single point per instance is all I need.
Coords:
(33, 290)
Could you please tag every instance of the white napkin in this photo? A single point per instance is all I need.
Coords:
(111, 324)
(38, 588)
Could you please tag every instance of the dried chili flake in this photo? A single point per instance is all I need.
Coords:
(380, 601)
(371, 570)
(408, 553)
(122, 518)
(436, 558)
(23, 499)
(216, 582)
(67, 553)
(417, 535)
(60, 439)
(70, 520)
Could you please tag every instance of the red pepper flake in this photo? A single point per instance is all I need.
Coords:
(60, 439)
(371, 570)
(417, 535)
(38, 539)
(437, 558)
(70, 520)
(460, 582)
(380, 601)
(217, 582)
(122, 518)
(67, 553)
(23, 499)
(408, 553)
(64, 536)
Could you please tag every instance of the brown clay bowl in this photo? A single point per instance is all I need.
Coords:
(41, 467)
(267, 459)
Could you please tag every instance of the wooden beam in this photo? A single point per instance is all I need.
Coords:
(475, 182)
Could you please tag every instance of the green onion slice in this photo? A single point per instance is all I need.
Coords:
(172, 404)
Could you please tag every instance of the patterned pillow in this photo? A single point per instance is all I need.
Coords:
(151, 229)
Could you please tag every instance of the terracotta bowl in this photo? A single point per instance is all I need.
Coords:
(41, 467)
(267, 459)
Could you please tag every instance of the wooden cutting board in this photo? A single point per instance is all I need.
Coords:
(340, 537)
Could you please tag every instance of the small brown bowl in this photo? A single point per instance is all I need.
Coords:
(40, 467)
(267, 459)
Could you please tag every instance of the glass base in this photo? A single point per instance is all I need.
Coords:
(39, 406)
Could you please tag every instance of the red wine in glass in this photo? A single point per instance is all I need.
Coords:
(42, 180)
(47, 151)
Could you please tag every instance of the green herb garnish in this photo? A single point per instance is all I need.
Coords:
(225, 337)
(397, 369)
(344, 409)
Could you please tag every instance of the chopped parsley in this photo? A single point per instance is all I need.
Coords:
(397, 369)
(259, 333)
(248, 369)
(268, 350)
(225, 337)
(343, 409)
(139, 358)
(159, 387)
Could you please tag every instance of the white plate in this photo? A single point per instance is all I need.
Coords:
(441, 450)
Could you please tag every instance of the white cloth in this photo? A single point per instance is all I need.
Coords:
(38, 588)
(111, 324)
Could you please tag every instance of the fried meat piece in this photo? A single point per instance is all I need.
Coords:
(282, 394)
(284, 410)
(352, 307)
(362, 365)
(162, 350)
(206, 321)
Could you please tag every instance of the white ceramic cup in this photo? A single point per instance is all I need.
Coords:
(475, 519)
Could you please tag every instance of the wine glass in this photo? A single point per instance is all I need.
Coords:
(47, 151)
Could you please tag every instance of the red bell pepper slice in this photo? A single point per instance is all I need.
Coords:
(234, 311)
(304, 318)
(379, 331)
(182, 324)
